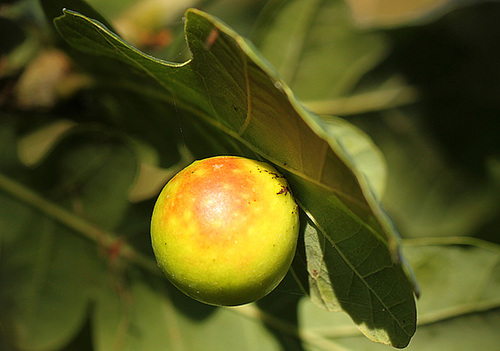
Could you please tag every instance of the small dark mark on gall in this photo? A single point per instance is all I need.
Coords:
(275, 175)
(284, 190)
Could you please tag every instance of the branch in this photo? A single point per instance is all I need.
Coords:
(76, 223)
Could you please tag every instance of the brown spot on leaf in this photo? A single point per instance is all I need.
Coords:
(211, 38)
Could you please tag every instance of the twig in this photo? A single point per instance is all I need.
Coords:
(74, 222)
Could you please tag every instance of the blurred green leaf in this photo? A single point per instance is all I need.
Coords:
(461, 276)
(16, 37)
(17, 46)
(229, 88)
(145, 317)
(316, 48)
(48, 271)
(134, 316)
(35, 146)
(425, 195)
(393, 13)
(47, 275)
(81, 168)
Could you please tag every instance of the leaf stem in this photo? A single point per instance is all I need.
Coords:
(381, 99)
(71, 220)
(451, 240)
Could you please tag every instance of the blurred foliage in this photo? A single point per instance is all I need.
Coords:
(87, 142)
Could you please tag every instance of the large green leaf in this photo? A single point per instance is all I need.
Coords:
(230, 89)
